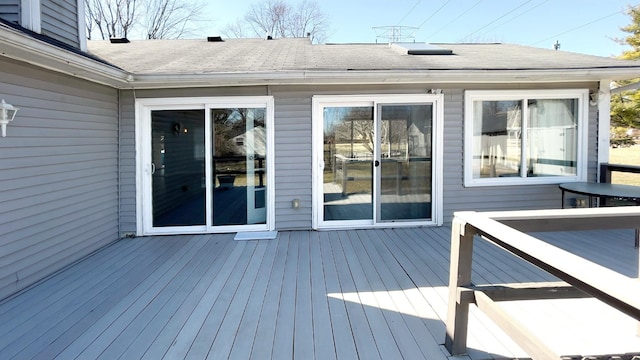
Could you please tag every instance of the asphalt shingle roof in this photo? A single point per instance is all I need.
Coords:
(259, 55)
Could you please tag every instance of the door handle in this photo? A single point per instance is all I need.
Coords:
(376, 163)
(153, 168)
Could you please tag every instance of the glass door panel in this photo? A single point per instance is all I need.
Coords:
(348, 153)
(178, 171)
(405, 166)
(239, 166)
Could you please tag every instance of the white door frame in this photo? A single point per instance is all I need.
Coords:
(144, 209)
(321, 101)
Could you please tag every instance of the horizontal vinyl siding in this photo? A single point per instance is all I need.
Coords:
(293, 137)
(497, 198)
(127, 169)
(10, 10)
(59, 20)
(293, 158)
(58, 173)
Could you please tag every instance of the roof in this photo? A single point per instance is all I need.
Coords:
(4, 24)
(297, 54)
(19, 43)
(185, 63)
(294, 61)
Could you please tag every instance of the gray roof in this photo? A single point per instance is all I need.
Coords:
(258, 55)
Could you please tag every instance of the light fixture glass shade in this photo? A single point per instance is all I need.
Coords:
(7, 113)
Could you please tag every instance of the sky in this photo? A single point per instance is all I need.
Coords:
(582, 26)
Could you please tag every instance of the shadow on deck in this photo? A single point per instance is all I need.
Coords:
(338, 294)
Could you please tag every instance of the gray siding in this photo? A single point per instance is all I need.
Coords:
(496, 198)
(293, 157)
(10, 10)
(59, 19)
(293, 111)
(58, 173)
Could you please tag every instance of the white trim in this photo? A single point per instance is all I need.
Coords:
(143, 165)
(437, 160)
(583, 123)
(604, 122)
(30, 15)
(82, 25)
(321, 101)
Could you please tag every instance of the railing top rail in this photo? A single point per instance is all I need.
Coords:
(609, 212)
(611, 287)
(622, 168)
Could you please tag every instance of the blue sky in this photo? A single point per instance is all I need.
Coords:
(584, 26)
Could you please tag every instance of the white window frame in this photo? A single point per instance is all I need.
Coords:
(582, 95)
(143, 163)
(319, 102)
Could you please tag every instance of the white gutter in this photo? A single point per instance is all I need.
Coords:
(359, 77)
(21, 47)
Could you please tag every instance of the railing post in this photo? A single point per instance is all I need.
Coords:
(459, 276)
(605, 177)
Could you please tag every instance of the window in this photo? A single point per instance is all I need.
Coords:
(525, 137)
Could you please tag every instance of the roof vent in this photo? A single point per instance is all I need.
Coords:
(122, 40)
(215, 39)
(422, 49)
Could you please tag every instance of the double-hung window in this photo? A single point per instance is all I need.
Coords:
(520, 137)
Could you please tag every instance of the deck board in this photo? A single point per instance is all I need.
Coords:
(285, 320)
(326, 295)
(58, 321)
(262, 344)
(323, 342)
(176, 312)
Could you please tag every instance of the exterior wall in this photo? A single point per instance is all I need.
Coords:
(293, 111)
(10, 10)
(58, 173)
(60, 20)
(128, 140)
(526, 197)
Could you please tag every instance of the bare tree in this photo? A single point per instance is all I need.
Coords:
(170, 18)
(279, 19)
(308, 20)
(155, 19)
(112, 18)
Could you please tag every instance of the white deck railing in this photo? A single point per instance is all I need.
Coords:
(579, 276)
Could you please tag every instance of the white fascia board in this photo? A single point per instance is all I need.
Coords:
(23, 48)
(149, 81)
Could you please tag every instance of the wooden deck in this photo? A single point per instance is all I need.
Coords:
(365, 294)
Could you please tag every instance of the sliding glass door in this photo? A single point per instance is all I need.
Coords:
(205, 167)
(348, 154)
(178, 168)
(406, 137)
(375, 161)
(239, 166)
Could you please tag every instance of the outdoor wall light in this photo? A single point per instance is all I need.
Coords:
(593, 98)
(8, 112)
(295, 203)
